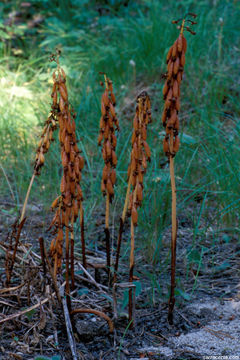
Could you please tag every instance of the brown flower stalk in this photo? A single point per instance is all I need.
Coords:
(108, 125)
(139, 156)
(43, 145)
(143, 115)
(171, 95)
(69, 203)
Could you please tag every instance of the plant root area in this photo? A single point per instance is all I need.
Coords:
(206, 314)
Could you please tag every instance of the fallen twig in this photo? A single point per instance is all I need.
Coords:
(68, 324)
(95, 312)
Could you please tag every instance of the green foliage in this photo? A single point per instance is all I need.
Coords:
(105, 36)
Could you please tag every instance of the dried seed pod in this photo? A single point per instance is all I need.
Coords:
(175, 88)
(63, 91)
(172, 120)
(169, 55)
(176, 144)
(106, 132)
(81, 162)
(55, 203)
(41, 158)
(113, 99)
(164, 118)
(140, 176)
(176, 125)
(144, 132)
(130, 204)
(147, 149)
(114, 159)
(135, 151)
(139, 192)
(176, 66)
(112, 110)
(55, 96)
(103, 109)
(110, 189)
(105, 173)
(63, 74)
(174, 50)
(67, 145)
(108, 149)
(182, 59)
(165, 89)
(72, 154)
(177, 104)
(179, 77)
(144, 161)
(170, 69)
(165, 145)
(62, 105)
(135, 123)
(79, 192)
(75, 209)
(134, 180)
(114, 141)
(64, 159)
(134, 215)
(100, 137)
(72, 187)
(105, 99)
(113, 176)
(168, 100)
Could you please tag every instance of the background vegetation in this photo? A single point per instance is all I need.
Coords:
(111, 36)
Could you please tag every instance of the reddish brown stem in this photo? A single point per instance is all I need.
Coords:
(20, 226)
(95, 312)
(67, 270)
(118, 250)
(72, 254)
(84, 261)
(107, 240)
(51, 273)
(173, 235)
(122, 220)
(41, 244)
(131, 267)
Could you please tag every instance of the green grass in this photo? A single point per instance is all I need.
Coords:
(207, 165)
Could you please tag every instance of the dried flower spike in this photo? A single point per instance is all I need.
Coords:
(69, 204)
(44, 143)
(107, 138)
(171, 143)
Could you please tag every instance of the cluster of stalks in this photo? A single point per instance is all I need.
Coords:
(69, 204)
(171, 95)
(140, 154)
(107, 138)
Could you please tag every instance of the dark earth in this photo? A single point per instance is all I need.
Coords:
(206, 316)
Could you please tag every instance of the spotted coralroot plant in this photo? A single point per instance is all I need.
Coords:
(140, 154)
(44, 143)
(107, 138)
(69, 204)
(171, 95)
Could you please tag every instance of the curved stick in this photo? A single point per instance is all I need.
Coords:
(95, 312)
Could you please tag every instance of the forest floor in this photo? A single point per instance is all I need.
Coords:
(206, 316)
